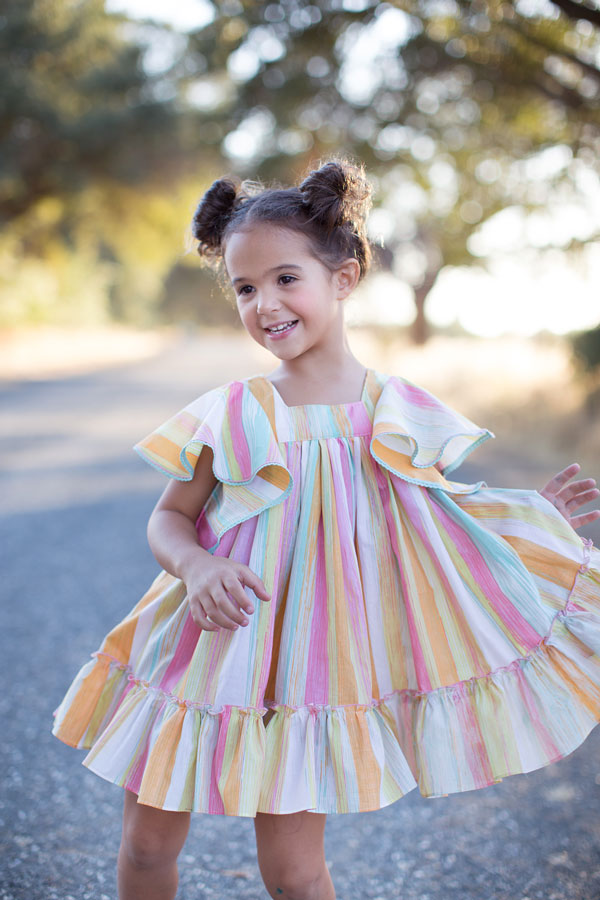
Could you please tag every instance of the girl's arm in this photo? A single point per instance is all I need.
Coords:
(215, 585)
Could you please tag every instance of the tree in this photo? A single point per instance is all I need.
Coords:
(448, 103)
(457, 97)
(76, 104)
(95, 167)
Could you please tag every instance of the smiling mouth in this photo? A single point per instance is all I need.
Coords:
(281, 328)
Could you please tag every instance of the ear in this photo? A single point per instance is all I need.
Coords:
(347, 276)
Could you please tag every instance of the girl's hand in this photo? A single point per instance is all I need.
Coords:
(567, 498)
(216, 594)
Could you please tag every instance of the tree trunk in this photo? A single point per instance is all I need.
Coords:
(420, 326)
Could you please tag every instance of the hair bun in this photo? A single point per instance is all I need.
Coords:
(214, 212)
(328, 208)
(337, 194)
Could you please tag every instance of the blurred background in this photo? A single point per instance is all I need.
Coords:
(479, 126)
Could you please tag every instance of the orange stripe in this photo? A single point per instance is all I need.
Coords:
(402, 464)
(239, 741)
(277, 629)
(547, 564)
(373, 675)
(82, 707)
(119, 641)
(428, 621)
(161, 762)
(264, 394)
(582, 688)
(275, 475)
(368, 770)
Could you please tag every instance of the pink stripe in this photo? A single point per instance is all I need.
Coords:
(473, 743)
(215, 801)
(551, 751)
(353, 589)
(239, 440)
(384, 482)
(186, 644)
(135, 778)
(317, 676)
(451, 599)
(501, 604)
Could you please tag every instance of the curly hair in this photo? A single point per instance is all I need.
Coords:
(329, 207)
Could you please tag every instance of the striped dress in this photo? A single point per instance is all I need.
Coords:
(421, 631)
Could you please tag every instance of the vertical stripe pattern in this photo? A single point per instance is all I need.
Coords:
(422, 632)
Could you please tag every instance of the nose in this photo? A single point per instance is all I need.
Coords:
(267, 302)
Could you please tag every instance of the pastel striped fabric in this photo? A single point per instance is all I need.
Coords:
(421, 632)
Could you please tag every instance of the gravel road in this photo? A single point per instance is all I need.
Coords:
(75, 501)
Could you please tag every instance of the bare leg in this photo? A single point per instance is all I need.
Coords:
(151, 842)
(291, 856)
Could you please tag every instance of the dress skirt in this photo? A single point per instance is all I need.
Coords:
(421, 632)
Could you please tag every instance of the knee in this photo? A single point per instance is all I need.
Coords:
(295, 884)
(148, 849)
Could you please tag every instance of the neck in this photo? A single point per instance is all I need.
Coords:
(321, 366)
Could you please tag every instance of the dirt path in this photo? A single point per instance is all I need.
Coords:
(75, 558)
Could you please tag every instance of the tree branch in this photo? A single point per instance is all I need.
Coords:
(577, 11)
(554, 48)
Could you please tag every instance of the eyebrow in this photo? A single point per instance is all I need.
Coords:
(274, 269)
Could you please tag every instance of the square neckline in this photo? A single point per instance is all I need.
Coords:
(361, 401)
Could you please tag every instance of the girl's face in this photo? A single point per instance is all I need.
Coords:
(277, 280)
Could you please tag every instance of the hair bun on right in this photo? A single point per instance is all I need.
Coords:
(338, 194)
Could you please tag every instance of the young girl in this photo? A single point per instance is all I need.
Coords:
(337, 622)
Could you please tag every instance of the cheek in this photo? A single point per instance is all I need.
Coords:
(247, 319)
(304, 306)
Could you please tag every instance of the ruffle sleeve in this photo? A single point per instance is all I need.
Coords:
(247, 462)
(420, 439)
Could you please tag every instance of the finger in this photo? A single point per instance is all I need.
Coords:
(201, 618)
(252, 580)
(561, 478)
(584, 519)
(227, 613)
(583, 498)
(235, 589)
(580, 499)
(568, 472)
(576, 487)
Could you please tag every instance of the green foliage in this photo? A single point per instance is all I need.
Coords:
(76, 103)
(61, 287)
(586, 349)
(103, 157)
(94, 168)
(444, 102)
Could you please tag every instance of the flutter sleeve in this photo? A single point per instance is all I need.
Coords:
(247, 461)
(419, 438)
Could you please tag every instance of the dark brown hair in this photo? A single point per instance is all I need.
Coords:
(329, 207)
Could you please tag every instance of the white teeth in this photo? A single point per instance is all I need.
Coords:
(282, 327)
